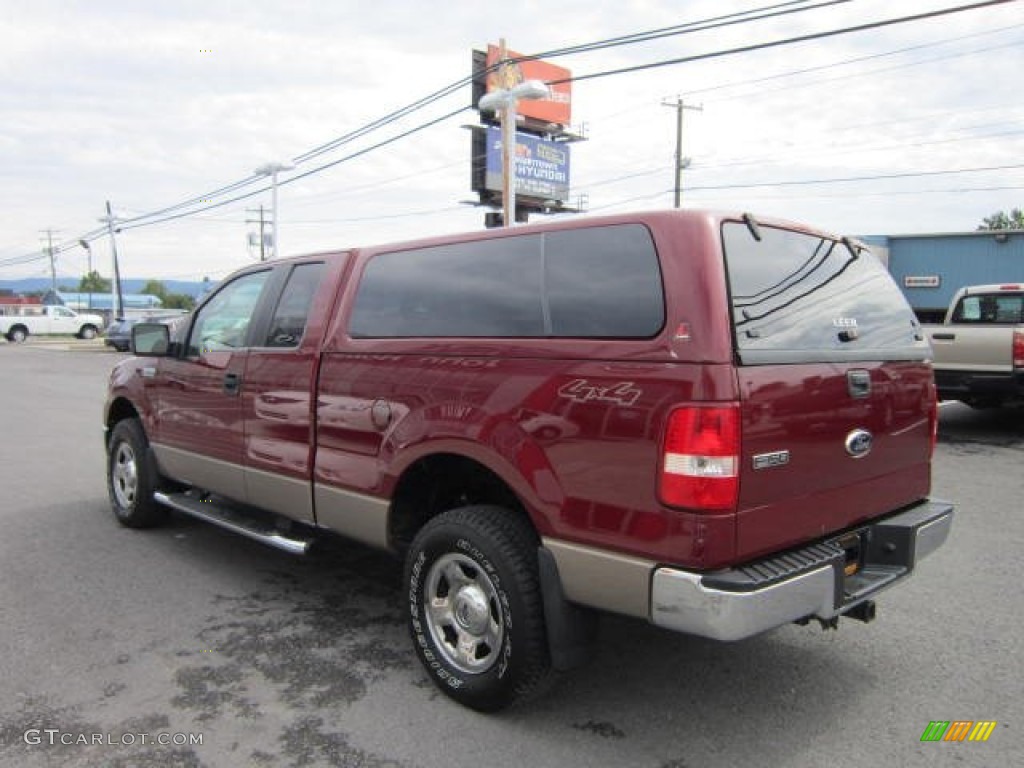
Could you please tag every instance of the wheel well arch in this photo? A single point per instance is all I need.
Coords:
(443, 481)
(120, 410)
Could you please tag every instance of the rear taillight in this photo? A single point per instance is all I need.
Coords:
(1018, 349)
(701, 458)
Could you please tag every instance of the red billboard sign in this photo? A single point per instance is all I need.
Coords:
(557, 109)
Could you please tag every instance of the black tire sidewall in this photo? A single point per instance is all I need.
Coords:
(498, 686)
(144, 512)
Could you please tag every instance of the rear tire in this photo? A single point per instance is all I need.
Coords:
(17, 334)
(475, 609)
(132, 478)
(87, 333)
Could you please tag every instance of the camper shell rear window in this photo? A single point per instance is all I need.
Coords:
(803, 297)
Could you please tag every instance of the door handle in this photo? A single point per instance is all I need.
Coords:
(232, 383)
(944, 336)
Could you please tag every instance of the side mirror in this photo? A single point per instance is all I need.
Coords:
(151, 339)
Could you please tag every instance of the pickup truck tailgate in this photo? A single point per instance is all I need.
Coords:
(981, 349)
(837, 398)
(827, 446)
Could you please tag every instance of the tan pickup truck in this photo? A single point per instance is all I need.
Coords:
(979, 348)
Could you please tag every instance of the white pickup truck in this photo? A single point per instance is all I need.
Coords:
(979, 348)
(48, 320)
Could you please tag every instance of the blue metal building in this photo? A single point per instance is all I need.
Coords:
(930, 268)
(104, 301)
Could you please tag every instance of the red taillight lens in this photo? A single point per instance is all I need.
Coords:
(701, 457)
(1018, 349)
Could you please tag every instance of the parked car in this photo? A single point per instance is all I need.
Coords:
(979, 348)
(712, 422)
(49, 320)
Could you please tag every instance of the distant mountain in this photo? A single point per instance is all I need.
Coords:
(128, 285)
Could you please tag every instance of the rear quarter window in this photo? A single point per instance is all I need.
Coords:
(597, 282)
(800, 297)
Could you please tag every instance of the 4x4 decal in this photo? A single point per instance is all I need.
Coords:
(583, 391)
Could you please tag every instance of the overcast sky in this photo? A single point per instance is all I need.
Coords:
(151, 104)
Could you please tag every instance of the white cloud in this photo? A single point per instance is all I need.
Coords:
(150, 105)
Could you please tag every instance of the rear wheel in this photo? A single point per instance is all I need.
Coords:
(88, 332)
(475, 609)
(131, 478)
(17, 334)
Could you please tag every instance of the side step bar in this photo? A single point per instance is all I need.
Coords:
(235, 522)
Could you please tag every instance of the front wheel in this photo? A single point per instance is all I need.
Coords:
(475, 610)
(131, 478)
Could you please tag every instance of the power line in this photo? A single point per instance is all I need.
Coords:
(840, 180)
(779, 43)
(156, 217)
(696, 26)
(859, 59)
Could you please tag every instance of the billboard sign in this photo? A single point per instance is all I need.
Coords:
(557, 109)
(541, 166)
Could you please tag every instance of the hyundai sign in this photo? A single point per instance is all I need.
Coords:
(541, 166)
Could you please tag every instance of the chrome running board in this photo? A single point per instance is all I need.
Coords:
(235, 522)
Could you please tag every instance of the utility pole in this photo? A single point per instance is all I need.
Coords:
(116, 297)
(681, 162)
(263, 223)
(53, 261)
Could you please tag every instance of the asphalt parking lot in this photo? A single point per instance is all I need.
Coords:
(189, 631)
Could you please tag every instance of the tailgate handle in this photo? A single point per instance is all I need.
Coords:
(858, 384)
(944, 336)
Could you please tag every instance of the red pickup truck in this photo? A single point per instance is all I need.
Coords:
(712, 422)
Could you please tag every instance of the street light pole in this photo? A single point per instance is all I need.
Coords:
(506, 99)
(271, 170)
(508, 161)
(88, 249)
(116, 297)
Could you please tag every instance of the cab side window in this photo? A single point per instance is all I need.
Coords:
(223, 323)
(289, 320)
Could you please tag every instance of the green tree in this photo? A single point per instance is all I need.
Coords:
(1002, 220)
(155, 288)
(178, 301)
(93, 283)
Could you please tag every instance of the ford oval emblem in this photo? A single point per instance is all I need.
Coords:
(858, 443)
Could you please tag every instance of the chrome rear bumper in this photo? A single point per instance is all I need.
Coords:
(805, 583)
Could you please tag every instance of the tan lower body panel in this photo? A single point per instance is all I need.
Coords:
(603, 579)
(286, 496)
(359, 517)
(204, 472)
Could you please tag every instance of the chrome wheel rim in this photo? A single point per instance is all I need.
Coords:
(463, 614)
(124, 476)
